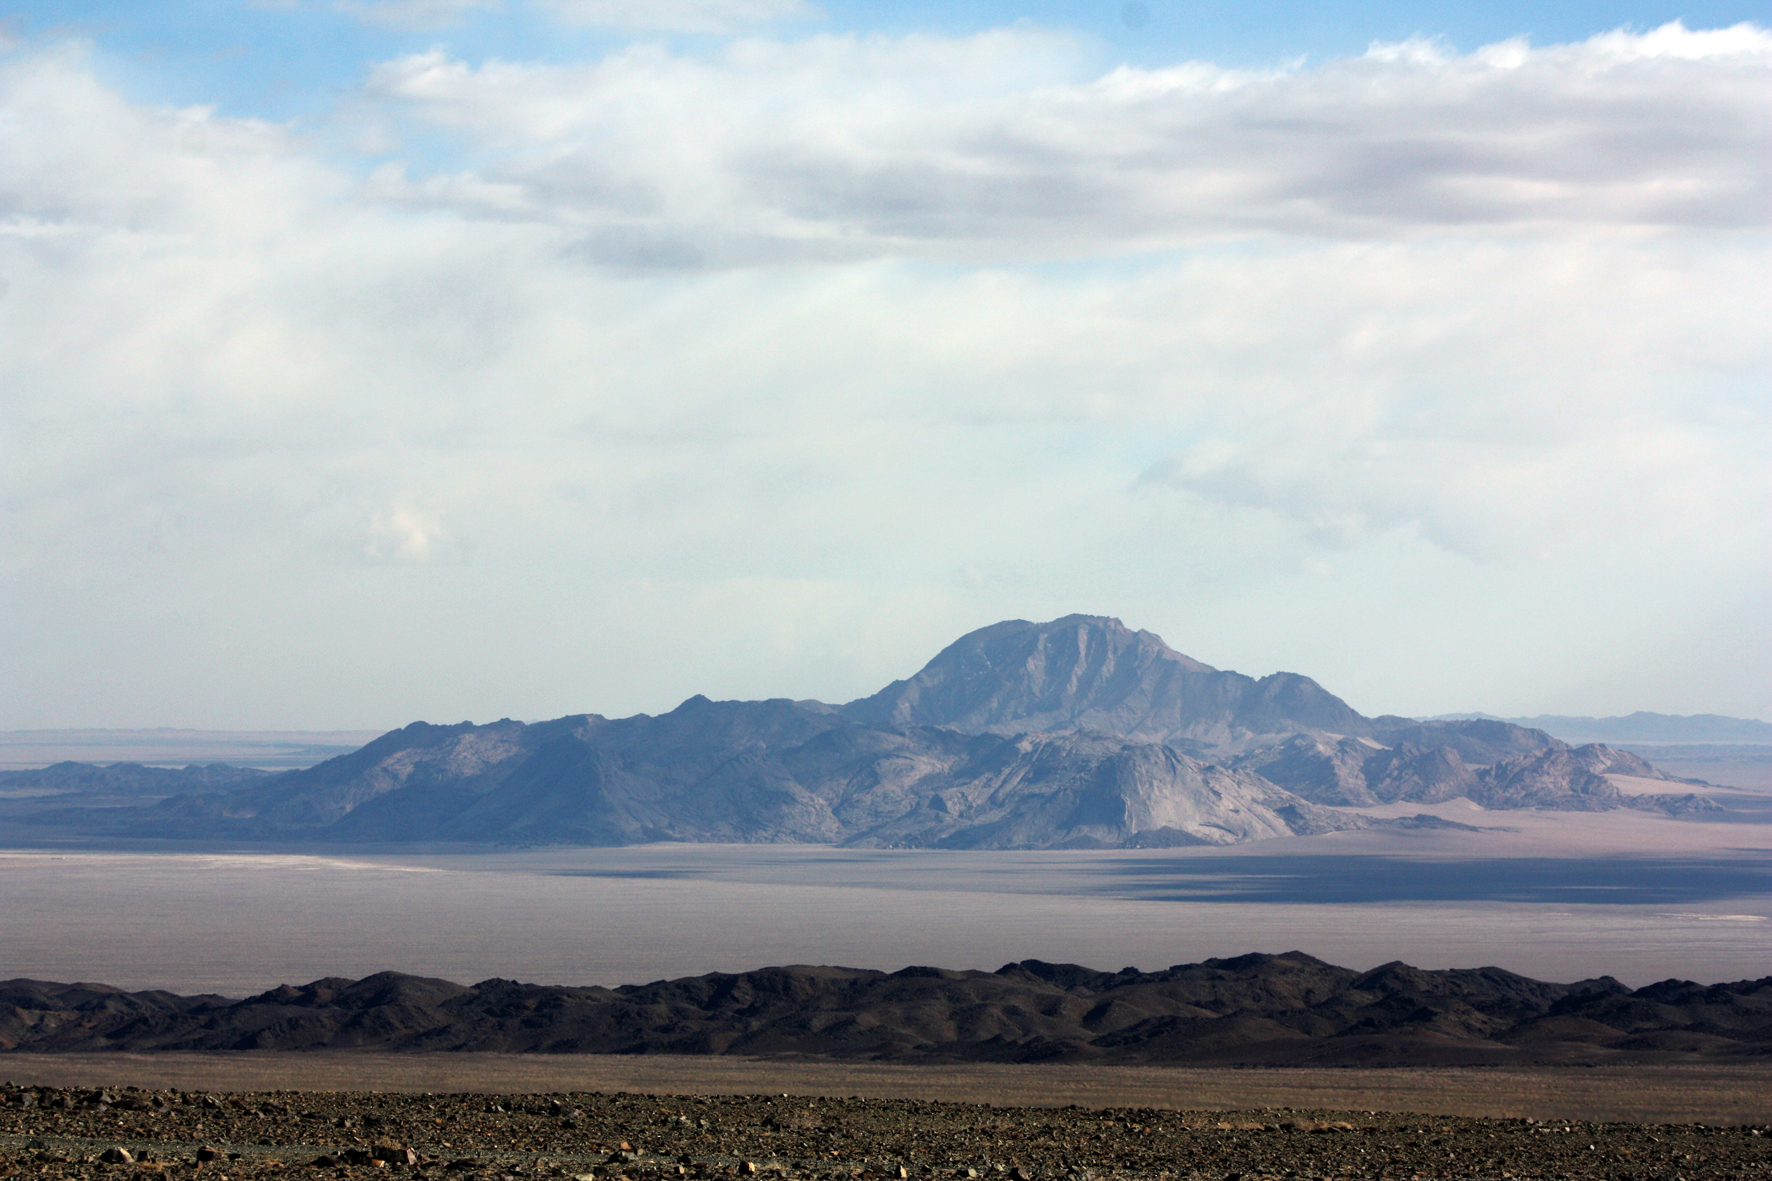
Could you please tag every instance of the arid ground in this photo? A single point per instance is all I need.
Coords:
(1556, 896)
(524, 1118)
(1721, 1094)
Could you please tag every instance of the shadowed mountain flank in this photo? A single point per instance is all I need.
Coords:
(758, 771)
(1253, 1009)
(1071, 734)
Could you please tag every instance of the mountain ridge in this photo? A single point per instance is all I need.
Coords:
(760, 771)
(1254, 1009)
(1641, 727)
(1076, 733)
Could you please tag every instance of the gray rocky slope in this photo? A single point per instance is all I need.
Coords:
(1074, 733)
(1086, 672)
(740, 771)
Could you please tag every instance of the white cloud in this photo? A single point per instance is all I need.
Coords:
(405, 534)
(991, 147)
(251, 402)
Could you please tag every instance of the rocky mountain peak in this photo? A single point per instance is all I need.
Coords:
(1079, 732)
(1092, 672)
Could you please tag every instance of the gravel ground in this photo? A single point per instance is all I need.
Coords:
(128, 1134)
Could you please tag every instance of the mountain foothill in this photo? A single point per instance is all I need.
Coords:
(1252, 1010)
(1077, 733)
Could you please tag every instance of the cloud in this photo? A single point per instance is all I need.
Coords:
(251, 400)
(403, 534)
(993, 146)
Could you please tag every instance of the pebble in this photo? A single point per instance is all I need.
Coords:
(66, 1135)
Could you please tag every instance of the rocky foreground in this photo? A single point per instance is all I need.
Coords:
(137, 1135)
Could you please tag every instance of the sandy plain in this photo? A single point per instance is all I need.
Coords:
(1557, 896)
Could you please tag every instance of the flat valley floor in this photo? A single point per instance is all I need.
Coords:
(1699, 1093)
(1554, 895)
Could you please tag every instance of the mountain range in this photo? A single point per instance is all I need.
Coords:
(1647, 728)
(1289, 1009)
(1075, 733)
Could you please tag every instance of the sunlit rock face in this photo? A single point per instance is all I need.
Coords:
(1093, 673)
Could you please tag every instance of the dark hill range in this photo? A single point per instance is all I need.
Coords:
(1072, 734)
(132, 779)
(1254, 1009)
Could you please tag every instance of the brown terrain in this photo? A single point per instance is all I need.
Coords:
(124, 1132)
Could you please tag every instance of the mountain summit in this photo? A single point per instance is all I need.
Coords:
(1091, 672)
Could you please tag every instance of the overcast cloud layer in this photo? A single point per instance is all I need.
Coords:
(520, 387)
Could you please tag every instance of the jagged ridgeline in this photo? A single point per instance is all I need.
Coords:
(1253, 1009)
(1076, 733)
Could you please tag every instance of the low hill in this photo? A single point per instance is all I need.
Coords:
(128, 779)
(1253, 1009)
(1652, 728)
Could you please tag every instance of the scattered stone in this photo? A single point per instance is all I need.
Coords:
(754, 1137)
(393, 1154)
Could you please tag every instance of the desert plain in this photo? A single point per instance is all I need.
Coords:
(1555, 895)
(810, 1133)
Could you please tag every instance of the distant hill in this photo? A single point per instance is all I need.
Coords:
(1647, 728)
(129, 778)
(1289, 1009)
(1077, 733)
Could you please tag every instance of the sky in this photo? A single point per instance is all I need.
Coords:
(365, 361)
